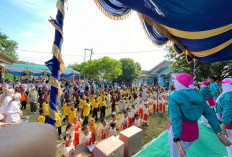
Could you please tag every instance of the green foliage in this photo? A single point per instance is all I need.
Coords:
(8, 46)
(110, 68)
(130, 70)
(220, 70)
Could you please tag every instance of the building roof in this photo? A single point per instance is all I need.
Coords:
(4, 59)
(161, 66)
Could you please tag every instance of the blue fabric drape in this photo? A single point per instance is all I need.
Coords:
(203, 28)
(16, 73)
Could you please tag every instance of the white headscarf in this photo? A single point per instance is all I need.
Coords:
(226, 88)
(179, 86)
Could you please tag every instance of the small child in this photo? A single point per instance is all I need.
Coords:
(93, 128)
(72, 113)
(154, 107)
(112, 131)
(145, 114)
(138, 121)
(76, 123)
(45, 106)
(114, 111)
(58, 122)
(41, 117)
(86, 111)
(95, 106)
(86, 137)
(130, 116)
(103, 107)
(114, 119)
(103, 129)
(140, 107)
(67, 146)
(66, 109)
(125, 120)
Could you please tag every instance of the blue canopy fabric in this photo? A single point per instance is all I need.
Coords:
(36, 70)
(200, 29)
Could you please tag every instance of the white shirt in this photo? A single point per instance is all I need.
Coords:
(85, 138)
(5, 104)
(124, 120)
(145, 111)
(138, 122)
(112, 132)
(68, 149)
(102, 130)
(12, 112)
(131, 114)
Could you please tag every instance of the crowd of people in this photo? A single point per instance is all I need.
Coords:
(83, 104)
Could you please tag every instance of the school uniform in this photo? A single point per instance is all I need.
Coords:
(67, 149)
(112, 132)
(72, 114)
(66, 109)
(95, 106)
(46, 111)
(145, 114)
(86, 112)
(58, 123)
(102, 131)
(76, 140)
(86, 138)
(124, 122)
(103, 109)
(41, 119)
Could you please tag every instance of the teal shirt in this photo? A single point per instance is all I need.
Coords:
(189, 105)
(214, 87)
(224, 106)
(206, 92)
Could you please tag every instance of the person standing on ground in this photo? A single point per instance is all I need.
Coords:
(186, 106)
(224, 107)
(33, 97)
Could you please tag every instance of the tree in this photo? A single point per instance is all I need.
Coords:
(220, 70)
(8, 46)
(108, 67)
(130, 70)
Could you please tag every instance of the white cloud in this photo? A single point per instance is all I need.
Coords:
(28, 34)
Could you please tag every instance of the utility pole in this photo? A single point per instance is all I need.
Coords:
(91, 54)
(91, 50)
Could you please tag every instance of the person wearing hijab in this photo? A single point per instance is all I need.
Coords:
(93, 128)
(206, 93)
(13, 112)
(224, 107)
(6, 97)
(186, 106)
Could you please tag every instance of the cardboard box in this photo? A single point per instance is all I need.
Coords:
(111, 147)
(132, 138)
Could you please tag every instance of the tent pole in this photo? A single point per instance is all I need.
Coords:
(55, 63)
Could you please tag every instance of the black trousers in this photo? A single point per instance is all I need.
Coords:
(33, 107)
(95, 113)
(59, 131)
(103, 112)
(24, 105)
(86, 120)
(46, 119)
(113, 107)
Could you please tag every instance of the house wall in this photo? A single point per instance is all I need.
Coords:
(161, 79)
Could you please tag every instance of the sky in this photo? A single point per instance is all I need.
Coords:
(85, 26)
